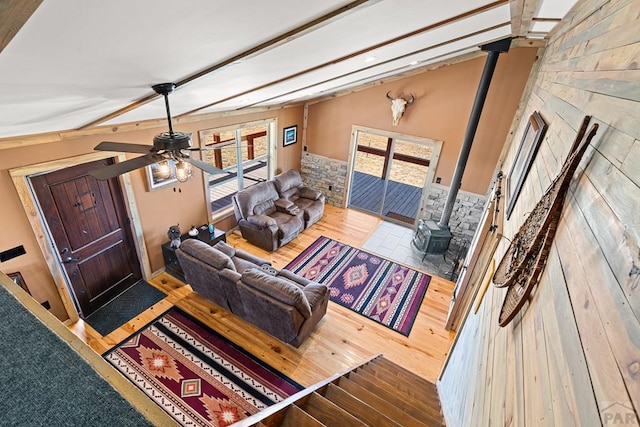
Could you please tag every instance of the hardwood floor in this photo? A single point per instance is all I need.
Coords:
(342, 340)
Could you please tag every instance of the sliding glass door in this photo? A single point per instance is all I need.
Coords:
(407, 172)
(389, 174)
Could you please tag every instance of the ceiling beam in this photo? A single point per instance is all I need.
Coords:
(256, 50)
(21, 141)
(522, 13)
(517, 6)
(333, 62)
(432, 66)
(13, 15)
(530, 7)
(397, 70)
(521, 42)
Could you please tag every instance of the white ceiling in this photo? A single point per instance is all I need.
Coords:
(77, 63)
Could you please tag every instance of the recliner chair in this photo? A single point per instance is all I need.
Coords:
(290, 187)
(264, 218)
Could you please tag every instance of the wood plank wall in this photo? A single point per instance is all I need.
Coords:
(572, 356)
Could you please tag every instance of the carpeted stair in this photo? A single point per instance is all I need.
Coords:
(378, 393)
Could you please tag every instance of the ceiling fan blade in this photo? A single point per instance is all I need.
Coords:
(216, 146)
(210, 169)
(116, 169)
(124, 147)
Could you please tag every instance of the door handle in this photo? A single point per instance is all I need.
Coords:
(69, 259)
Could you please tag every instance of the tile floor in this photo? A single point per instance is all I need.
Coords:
(393, 241)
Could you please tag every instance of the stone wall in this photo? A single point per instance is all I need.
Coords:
(325, 174)
(466, 214)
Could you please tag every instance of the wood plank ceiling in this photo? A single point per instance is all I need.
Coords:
(77, 66)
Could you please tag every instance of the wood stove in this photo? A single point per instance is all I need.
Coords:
(432, 238)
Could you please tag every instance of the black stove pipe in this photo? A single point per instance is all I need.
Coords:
(494, 50)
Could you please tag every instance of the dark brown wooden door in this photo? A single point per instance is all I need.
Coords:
(90, 228)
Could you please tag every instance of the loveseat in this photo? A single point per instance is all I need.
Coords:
(264, 218)
(290, 187)
(280, 302)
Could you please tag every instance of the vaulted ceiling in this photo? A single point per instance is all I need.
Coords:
(78, 64)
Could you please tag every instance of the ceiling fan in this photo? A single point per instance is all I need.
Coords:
(166, 146)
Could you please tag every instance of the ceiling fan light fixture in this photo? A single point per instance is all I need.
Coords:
(183, 171)
(164, 170)
(168, 147)
(171, 141)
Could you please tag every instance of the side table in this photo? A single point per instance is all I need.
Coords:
(171, 264)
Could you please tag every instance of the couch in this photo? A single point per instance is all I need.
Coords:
(265, 219)
(290, 187)
(280, 302)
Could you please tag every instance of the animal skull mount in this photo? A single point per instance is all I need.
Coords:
(398, 105)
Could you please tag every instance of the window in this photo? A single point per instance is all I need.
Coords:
(245, 152)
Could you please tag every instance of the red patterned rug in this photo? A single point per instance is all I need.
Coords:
(196, 375)
(389, 293)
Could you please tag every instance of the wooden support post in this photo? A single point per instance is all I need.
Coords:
(386, 158)
(217, 153)
(250, 152)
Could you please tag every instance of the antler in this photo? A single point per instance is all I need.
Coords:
(389, 97)
(410, 100)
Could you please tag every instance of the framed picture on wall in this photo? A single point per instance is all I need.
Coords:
(290, 135)
(160, 175)
(18, 280)
(527, 150)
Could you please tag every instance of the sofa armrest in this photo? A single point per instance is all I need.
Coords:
(286, 206)
(283, 204)
(262, 221)
(309, 193)
(231, 275)
(316, 294)
(299, 280)
(251, 258)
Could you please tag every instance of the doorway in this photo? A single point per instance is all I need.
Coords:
(21, 177)
(390, 173)
(88, 223)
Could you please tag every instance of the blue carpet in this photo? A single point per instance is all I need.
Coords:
(44, 382)
(124, 307)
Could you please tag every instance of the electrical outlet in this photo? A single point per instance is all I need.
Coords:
(438, 180)
(46, 305)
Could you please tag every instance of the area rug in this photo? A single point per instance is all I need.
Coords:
(139, 297)
(382, 290)
(196, 375)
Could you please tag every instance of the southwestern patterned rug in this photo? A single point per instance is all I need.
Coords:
(389, 293)
(196, 375)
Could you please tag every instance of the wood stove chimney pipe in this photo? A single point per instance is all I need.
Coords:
(494, 49)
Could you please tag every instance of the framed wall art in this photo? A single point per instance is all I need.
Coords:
(527, 150)
(290, 135)
(159, 176)
(18, 280)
